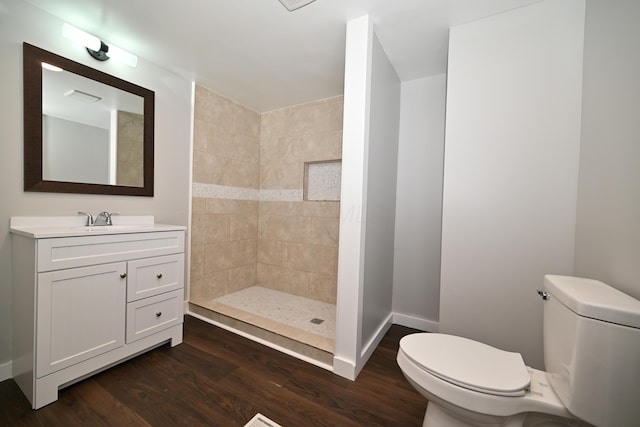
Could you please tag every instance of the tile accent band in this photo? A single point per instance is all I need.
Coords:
(214, 191)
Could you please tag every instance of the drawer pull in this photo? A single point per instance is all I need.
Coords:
(158, 314)
(123, 275)
(159, 275)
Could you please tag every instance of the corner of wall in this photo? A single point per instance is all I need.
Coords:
(416, 322)
(5, 371)
(345, 368)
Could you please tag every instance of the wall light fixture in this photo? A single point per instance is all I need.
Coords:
(96, 47)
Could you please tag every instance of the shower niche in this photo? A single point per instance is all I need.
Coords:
(322, 180)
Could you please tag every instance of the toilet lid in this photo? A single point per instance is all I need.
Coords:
(467, 363)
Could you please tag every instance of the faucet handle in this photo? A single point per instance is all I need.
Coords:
(109, 217)
(89, 221)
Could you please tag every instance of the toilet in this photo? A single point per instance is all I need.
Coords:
(591, 338)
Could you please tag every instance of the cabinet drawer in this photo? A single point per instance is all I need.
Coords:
(150, 315)
(153, 276)
(69, 252)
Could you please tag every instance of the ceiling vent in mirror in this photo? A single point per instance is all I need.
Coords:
(292, 5)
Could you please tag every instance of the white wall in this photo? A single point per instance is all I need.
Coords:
(369, 161)
(74, 152)
(511, 171)
(608, 216)
(416, 275)
(20, 22)
(381, 197)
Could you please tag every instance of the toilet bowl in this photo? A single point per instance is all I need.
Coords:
(591, 340)
(493, 387)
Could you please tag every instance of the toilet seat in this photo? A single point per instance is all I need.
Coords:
(468, 364)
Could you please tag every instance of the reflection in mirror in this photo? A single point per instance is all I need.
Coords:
(85, 131)
(91, 132)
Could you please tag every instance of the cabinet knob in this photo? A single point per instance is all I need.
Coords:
(159, 275)
(123, 275)
(158, 314)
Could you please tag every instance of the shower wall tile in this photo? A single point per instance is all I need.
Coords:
(298, 283)
(313, 258)
(304, 264)
(197, 260)
(282, 173)
(241, 277)
(292, 136)
(226, 142)
(224, 232)
(207, 134)
(213, 108)
(324, 231)
(306, 233)
(245, 121)
(272, 252)
(209, 228)
(226, 255)
(284, 228)
(321, 209)
(198, 205)
(283, 279)
(287, 246)
(223, 246)
(322, 288)
(232, 206)
(208, 286)
(203, 167)
(328, 115)
(274, 124)
(243, 227)
(273, 277)
(319, 145)
(281, 208)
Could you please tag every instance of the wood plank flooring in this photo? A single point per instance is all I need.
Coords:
(216, 378)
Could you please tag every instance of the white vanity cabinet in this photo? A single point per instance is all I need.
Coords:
(88, 298)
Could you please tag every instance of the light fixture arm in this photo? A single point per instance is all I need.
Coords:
(102, 54)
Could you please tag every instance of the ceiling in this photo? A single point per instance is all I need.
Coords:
(260, 55)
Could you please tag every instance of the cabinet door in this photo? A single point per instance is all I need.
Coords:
(80, 314)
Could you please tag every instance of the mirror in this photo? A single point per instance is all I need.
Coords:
(85, 131)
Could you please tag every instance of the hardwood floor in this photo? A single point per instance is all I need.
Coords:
(216, 378)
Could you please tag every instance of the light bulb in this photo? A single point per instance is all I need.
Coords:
(80, 37)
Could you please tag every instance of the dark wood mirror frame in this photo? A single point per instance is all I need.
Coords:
(32, 69)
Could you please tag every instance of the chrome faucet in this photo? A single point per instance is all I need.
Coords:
(89, 222)
(104, 218)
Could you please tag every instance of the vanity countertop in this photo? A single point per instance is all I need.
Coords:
(73, 226)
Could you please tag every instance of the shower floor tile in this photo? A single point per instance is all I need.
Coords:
(281, 308)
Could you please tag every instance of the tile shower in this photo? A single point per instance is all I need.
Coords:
(263, 260)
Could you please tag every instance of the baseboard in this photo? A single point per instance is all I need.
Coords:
(416, 322)
(372, 344)
(344, 368)
(5, 371)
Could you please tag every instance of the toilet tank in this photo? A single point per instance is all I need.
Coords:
(592, 350)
